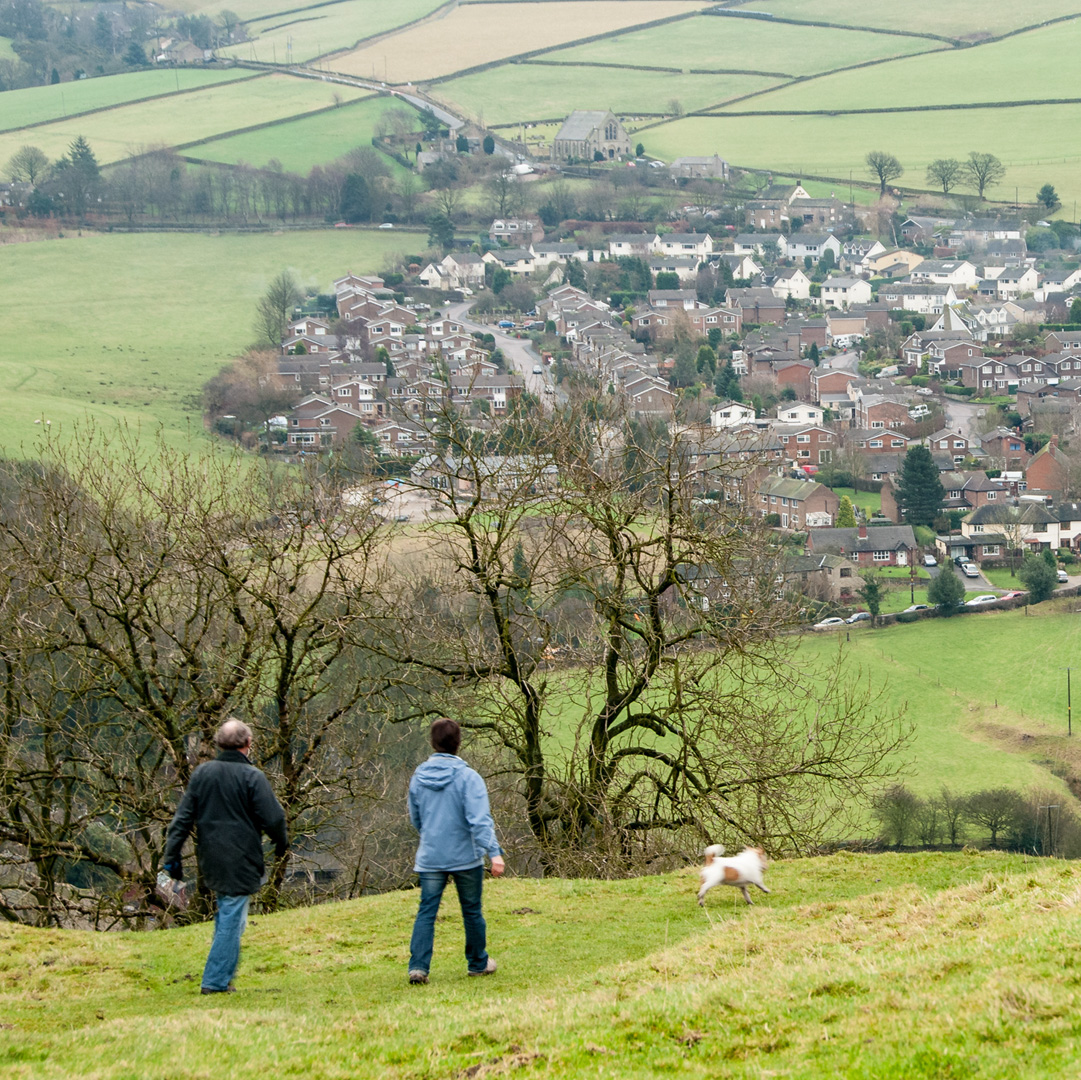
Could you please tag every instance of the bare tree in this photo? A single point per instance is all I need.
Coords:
(140, 605)
(884, 167)
(982, 171)
(275, 308)
(944, 172)
(618, 651)
(28, 164)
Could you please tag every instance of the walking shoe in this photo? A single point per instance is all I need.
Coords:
(227, 990)
(418, 978)
(488, 970)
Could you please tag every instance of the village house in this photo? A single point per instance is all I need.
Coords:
(813, 246)
(516, 232)
(882, 545)
(877, 441)
(923, 298)
(807, 444)
(800, 412)
(698, 245)
(791, 281)
(843, 292)
(824, 577)
(769, 245)
(799, 504)
(714, 168)
(731, 414)
(1049, 470)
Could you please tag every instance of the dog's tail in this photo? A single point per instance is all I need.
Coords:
(714, 851)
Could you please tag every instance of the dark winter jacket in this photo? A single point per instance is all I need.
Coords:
(448, 806)
(230, 805)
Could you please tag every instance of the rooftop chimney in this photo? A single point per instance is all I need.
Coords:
(863, 531)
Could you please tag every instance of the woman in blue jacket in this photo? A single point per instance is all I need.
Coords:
(448, 805)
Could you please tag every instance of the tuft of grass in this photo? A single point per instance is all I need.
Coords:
(886, 966)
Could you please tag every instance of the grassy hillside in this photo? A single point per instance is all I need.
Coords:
(152, 318)
(885, 967)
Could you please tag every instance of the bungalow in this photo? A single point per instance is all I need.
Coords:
(882, 545)
(515, 260)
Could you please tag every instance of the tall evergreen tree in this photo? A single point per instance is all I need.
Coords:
(846, 514)
(919, 490)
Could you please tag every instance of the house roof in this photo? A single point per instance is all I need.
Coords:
(878, 538)
(788, 488)
(1026, 513)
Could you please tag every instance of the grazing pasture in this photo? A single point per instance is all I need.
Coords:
(964, 20)
(174, 121)
(473, 34)
(1026, 139)
(714, 43)
(297, 36)
(986, 692)
(540, 92)
(301, 144)
(892, 966)
(152, 318)
(39, 104)
(948, 78)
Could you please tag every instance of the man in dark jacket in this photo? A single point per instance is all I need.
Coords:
(230, 805)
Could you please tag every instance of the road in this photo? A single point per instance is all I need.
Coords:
(521, 357)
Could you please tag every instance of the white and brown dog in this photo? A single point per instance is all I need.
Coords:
(740, 870)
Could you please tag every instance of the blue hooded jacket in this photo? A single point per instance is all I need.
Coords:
(448, 806)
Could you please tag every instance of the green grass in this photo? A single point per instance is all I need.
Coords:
(868, 501)
(974, 684)
(745, 44)
(322, 29)
(893, 967)
(301, 144)
(37, 104)
(537, 91)
(950, 77)
(1002, 578)
(199, 115)
(963, 19)
(837, 145)
(152, 318)
(6, 51)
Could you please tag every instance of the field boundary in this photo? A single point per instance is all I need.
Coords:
(646, 67)
(133, 101)
(892, 108)
(732, 13)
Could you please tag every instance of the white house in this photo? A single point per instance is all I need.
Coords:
(731, 414)
(800, 412)
(959, 273)
(802, 245)
(844, 292)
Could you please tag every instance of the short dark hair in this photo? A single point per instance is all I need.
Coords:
(446, 736)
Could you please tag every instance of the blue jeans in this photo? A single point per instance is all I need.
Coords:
(229, 922)
(469, 884)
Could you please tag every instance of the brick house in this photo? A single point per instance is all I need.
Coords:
(1005, 449)
(875, 411)
(1049, 470)
(800, 504)
(882, 545)
(807, 444)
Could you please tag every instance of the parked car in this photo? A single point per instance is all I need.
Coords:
(960, 560)
(859, 616)
(1062, 575)
(829, 624)
(970, 570)
(1013, 594)
(926, 391)
(505, 324)
(983, 598)
(916, 607)
(537, 369)
(930, 560)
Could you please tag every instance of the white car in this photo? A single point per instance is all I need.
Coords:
(930, 560)
(829, 624)
(983, 598)
(1062, 575)
(916, 607)
(926, 391)
(970, 569)
(537, 369)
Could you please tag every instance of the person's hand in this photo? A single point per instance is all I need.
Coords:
(175, 870)
(498, 866)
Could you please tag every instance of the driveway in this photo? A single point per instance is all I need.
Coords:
(522, 358)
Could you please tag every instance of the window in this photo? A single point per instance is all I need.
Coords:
(882, 556)
(804, 454)
(878, 423)
(825, 457)
(803, 438)
(846, 571)
(991, 496)
(977, 528)
(990, 549)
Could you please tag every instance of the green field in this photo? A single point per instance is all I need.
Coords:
(947, 78)
(965, 20)
(837, 145)
(153, 317)
(883, 967)
(543, 92)
(6, 51)
(744, 44)
(300, 144)
(41, 103)
(973, 685)
(199, 115)
(302, 34)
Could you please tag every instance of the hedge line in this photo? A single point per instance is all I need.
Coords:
(959, 391)
(886, 109)
(765, 17)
